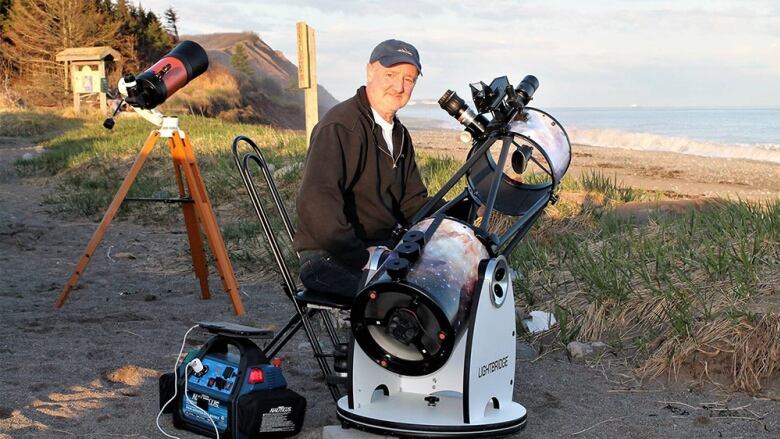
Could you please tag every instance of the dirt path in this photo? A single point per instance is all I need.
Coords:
(138, 297)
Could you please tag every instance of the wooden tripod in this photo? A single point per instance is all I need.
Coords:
(197, 213)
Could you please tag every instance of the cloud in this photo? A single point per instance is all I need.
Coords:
(572, 48)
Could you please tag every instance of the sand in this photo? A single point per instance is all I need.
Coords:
(677, 175)
(89, 369)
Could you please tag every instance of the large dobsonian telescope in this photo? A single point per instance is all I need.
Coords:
(434, 326)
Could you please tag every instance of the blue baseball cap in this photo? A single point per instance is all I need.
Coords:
(392, 52)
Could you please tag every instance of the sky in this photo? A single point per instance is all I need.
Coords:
(597, 53)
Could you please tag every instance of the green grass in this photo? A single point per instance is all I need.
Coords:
(34, 124)
(88, 164)
(674, 279)
(651, 289)
(436, 171)
(603, 185)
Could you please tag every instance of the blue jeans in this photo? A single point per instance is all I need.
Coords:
(321, 272)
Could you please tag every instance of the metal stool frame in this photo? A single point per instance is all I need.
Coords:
(304, 311)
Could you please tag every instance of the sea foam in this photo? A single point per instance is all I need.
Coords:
(610, 138)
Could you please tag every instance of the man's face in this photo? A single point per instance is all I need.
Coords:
(389, 88)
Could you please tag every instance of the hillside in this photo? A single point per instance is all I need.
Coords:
(269, 94)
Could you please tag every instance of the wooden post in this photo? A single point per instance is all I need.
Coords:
(76, 97)
(67, 75)
(307, 74)
(101, 94)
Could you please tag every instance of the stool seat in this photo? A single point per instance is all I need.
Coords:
(324, 298)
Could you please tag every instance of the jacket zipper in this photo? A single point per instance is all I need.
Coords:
(403, 139)
(395, 161)
(401, 146)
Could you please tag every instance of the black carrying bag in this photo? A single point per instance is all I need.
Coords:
(271, 414)
(167, 388)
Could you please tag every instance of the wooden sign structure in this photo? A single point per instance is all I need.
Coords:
(307, 74)
(86, 69)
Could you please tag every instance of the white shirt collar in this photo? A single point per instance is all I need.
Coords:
(381, 120)
(387, 129)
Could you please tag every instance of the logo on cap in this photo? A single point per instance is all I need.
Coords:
(405, 50)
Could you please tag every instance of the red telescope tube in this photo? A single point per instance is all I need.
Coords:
(185, 62)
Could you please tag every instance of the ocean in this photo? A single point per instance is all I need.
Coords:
(727, 132)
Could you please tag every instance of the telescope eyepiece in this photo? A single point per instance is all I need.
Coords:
(457, 108)
(452, 104)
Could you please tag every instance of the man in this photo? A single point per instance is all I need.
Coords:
(360, 178)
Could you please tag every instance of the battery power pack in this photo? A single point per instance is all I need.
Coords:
(237, 391)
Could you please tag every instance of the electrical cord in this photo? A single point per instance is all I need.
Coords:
(192, 364)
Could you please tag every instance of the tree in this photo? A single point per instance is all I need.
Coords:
(5, 6)
(240, 62)
(152, 39)
(172, 20)
(32, 32)
(36, 30)
(5, 9)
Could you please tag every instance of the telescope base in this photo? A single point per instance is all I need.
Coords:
(408, 414)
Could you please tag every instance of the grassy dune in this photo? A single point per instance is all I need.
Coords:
(30, 124)
(691, 290)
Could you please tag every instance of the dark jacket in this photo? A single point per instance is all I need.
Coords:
(353, 191)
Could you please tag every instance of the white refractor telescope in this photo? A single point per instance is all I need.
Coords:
(434, 327)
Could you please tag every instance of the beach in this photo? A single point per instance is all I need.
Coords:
(674, 174)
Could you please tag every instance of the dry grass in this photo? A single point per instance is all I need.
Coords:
(693, 292)
(739, 354)
(210, 94)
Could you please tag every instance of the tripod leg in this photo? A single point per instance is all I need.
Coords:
(107, 217)
(208, 220)
(193, 232)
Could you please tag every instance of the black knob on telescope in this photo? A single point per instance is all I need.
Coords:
(409, 251)
(431, 400)
(415, 236)
(397, 268)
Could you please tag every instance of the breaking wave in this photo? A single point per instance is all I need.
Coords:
(610, 138)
